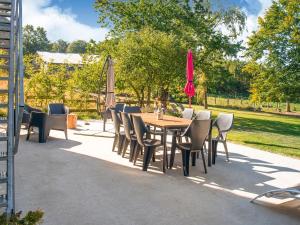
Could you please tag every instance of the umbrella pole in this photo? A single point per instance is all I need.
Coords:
(190, 102)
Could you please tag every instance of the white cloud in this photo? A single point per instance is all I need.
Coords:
(251, 23)
(59, 23)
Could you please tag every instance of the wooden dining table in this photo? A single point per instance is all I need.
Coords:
(168, 123)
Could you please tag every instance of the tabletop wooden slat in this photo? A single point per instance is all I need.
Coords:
(166, 122)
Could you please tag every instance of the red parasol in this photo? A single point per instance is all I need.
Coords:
(189, 87)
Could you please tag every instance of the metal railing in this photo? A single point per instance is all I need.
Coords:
(15, 97)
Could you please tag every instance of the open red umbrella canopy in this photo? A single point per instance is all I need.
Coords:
(189, 87)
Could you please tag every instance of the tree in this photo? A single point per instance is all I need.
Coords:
(275, 49)
(192, 22)
(60, 46)
(35, 39)
(78, 46)
(149, 62)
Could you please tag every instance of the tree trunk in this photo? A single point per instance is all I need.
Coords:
(288, 107)
(148, 96)
(142, 98)
(205, 99)
(164, 97)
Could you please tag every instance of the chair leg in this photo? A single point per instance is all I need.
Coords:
(66, 133)
(214, 151)
(205, 148)
(125, 146)
(173, 151)
(120, 144)
(153, 156)
(186, 139)
(28, 133)
(186, 162)
(115, 142)
(42, 138)
(137, 152)
(226, 151)
(147, 157)
(132, 150)
(203, 159)
(194, 158)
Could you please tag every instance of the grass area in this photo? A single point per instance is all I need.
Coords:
(238, 103)
(266, 131)
(87, 115)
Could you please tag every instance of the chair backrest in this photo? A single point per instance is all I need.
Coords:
(139, 128)
(30, 109)
(224, 123)
(187, 113)
(198, 132)
(119, 107)
(203, 115)
(117, 121)
(128, 127)
(132, 109)
(56, 108)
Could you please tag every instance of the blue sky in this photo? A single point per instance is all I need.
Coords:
(82, 8)
(76, 19)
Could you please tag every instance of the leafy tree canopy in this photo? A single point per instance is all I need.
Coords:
(35, 39)
(59, 46)
(274, 52)
(78, 46)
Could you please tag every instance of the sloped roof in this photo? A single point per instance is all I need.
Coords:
(65, 58)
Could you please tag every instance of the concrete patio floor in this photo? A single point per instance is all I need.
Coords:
(80, 181)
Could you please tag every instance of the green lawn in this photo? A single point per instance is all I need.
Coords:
(266, 131)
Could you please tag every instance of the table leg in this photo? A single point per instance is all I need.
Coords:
(165, 153)
(209, 146)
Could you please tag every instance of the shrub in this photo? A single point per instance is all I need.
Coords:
(31, 218)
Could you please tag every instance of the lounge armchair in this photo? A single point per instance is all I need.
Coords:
(58, 116)
(39, 120)
(26, 114)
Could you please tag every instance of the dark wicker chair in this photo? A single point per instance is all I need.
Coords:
(26, 114)
(39, 120)
(58, 116)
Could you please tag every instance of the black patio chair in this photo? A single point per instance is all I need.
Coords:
(132, 109)
(144, 141)
(119, 107)
(130, 137)
(58, 116)
(39, 120)
(197, 132)
(224, 123)
(119, 135)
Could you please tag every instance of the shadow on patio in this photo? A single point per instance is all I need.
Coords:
(80, 181)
